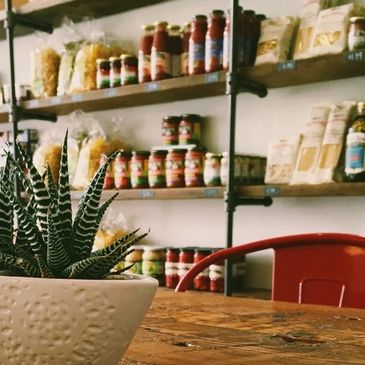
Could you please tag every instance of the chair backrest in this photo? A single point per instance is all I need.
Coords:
(317, 268)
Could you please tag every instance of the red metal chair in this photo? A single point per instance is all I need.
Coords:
(317, 268)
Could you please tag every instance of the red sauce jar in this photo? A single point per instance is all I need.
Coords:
(144, 53)
(216, 276)
(156, 169)
(214, 41)
(122, 177)
(186, 262)
(175, 169)
(175, 49)
(109, 179)
(197, 45)
(185, 49)
(194, 167)
(160, 53)
(129, 70)
(170, 130)
(139, 169)
(190, 129)
(172, 267)
(202, 281)
(102, 73)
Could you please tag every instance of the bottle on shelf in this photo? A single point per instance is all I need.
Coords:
(355, 147)
(129, 69)
(197, 45)
(144, 53)
(160, 53)
(214, 41)
(185, 49)
(176, 49)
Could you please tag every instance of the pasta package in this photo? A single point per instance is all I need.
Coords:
(313, 7)
(281, 158)
(45, 66)
(310, 147)
(275, 39)
(333, 141)
(304, 37)
(48, 154)
(330, 36)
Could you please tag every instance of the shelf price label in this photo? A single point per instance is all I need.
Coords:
(355, 56)
(77, 98)
(211, 193)
(211, 77)
(109, 93)
(146, 194)
(272, 191)
(152, 86)
(287, 66)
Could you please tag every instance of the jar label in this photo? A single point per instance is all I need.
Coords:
(176, 65)
(175, 173)
(114, 77)
(196, 57)
(170, 135)
(136, 268)
(216, 272)
(139, 174)
(355, 159)
(160, 63)
(212, 171)
(144, 67)
(153, 267)
(213, 54)
(185, 63)
(102, 79)
(128, 75)
(226, 50)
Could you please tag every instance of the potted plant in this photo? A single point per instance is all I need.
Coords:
(59, 304)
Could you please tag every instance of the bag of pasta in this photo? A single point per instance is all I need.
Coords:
(45, 62)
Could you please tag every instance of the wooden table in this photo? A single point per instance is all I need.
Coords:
(195, 328)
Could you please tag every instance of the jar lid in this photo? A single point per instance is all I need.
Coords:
(191, 116)
(213, 155)
(124, 153)
(148, 27)
(217, 12)
(153, 248)
(101, 60)
(204, 249)
(187, 249)
(127, 55)
(357, 19)
(177, 150)
(200, 17)
(158, 152)
(161, 24)
(249, 12)
(142, 153)
(197, 149)
(261, 17)
(175, 28)
(172, 118)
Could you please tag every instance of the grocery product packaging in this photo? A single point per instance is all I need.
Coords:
(333, 141)
(281, 157)
(310, 147)
(275, 39)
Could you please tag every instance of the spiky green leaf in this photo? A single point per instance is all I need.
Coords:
(43, 268)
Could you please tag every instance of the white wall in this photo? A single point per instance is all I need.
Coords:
(283, 112)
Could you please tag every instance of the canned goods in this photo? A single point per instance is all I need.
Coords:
(170, 130)
(225, 169)
(156, 169)
(190, 129)
(175, 169)
(102, 73)
(194, 162)
(122, 179)
(129, 69)
(139, 169)
(115, 68)
(212, 169)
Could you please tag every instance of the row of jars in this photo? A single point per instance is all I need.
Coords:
(181, 168)
(169, 265)
(202, 45)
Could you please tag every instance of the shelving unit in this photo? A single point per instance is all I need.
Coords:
(318, 69)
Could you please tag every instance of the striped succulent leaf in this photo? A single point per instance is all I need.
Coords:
(43, 267)
(6, 210)
(52, 189)
(77, 269)
(64, 195)
(104, 207)
(41, 194)
(10, 262)
(87, 226)
(27, 267)
(57, 257)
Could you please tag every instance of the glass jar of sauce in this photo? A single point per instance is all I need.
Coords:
(175, 168)
(172, 267)
(202, 281)
(115, 67)
(214, 41)
(186, 262)
(139, 169)
(156, 169)
(160, 53)
(102, 73)
(190, 129)
(121, 169)
(170, 130)
(153, 263)
(356, 36)
(194, 166)
(225, 169)
(197, 45)
(185, 49)
(175, 49)
(109, 179)
(144, 53)
(212, 169)
(216, 276)
(129, 70)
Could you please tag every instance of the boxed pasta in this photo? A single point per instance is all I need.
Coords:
(333, 141)
(275, 39)
(281, 156)
(310, 147)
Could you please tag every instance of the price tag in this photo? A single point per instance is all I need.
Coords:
(272, 191)
(355, 56)
(211, 193)
(56, 100)
(109, 93)
(146, 194)
(77, 98)
(287, 66)
(211, 77)
(152, 86)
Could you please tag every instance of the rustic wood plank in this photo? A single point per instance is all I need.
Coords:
(203, 328)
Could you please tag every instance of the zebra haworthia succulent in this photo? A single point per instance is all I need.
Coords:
(48, 242)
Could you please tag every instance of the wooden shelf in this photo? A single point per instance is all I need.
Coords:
(192, 87)
(55, 10)
(254, 191)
